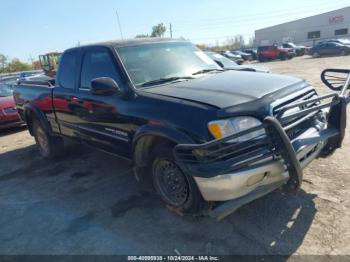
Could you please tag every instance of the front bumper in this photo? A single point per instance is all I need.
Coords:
(10, 120)
(234, 185)
(241, 172)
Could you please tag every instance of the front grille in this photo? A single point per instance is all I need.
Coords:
(223, 155)
(295, 126)
(226, 151)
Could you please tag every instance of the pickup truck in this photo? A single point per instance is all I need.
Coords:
(274, 52)
(208, 140)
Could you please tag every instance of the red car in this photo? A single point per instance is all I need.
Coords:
(274, 52)
(9, 116)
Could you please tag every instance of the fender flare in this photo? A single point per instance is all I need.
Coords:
(164, 132)
(38, 114)
(161, 131)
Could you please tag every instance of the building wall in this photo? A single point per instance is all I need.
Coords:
(297, 31)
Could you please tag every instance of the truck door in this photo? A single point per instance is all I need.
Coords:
(270, 52)
(100, 120)
(64, 94)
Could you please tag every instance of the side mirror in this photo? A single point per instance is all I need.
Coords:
(104, 86)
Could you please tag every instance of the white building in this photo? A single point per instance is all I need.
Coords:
(309, 30)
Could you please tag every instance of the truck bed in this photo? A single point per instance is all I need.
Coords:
(34, 94)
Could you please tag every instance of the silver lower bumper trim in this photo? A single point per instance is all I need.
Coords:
(232, 186)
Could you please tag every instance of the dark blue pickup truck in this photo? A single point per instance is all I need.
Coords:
(208, 140)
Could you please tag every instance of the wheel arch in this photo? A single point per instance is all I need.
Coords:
(146, 139)
(32, 113)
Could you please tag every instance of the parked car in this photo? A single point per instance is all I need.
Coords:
(231, 65)
(27, 74)
(251, 51)
(37, 77)
(245, 56)
(236, 58)
(274, 52)
(208, 140)
(339, 41)
(9, 116)
(298, 49)
(330, 48)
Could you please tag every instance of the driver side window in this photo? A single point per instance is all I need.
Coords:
(97, 63)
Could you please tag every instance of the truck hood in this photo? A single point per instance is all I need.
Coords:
(228, 88)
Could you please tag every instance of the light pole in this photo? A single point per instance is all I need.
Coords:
(120, 28)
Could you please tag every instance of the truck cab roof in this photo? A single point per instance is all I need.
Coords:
(131, 42)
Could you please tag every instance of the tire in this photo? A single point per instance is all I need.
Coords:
(283, 56)
(261, 58)
(315, 54)
(176, 189)
(342, 52)
(49, 146)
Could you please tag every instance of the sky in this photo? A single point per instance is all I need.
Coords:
(32, 27)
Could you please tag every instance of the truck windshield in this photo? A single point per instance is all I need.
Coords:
(147, 63)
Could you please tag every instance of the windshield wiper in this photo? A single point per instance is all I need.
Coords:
(165, 80)
(203, 71)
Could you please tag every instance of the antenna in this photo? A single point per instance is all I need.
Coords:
(120, 28)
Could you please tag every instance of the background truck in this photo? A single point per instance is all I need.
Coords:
(206, 139)
(274, 52)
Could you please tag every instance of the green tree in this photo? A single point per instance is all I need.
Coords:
(16, 65)
(3, 63)
(158, 30)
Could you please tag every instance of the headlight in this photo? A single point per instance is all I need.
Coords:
(227, 127)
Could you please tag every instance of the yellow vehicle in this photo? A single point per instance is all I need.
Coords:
(49, 63)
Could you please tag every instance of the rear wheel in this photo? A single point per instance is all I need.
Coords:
(49, 146)
(283, 56)
(342, 52)
(177, 189)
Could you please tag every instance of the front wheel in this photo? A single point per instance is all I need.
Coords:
(342, 52)
(49, 146)
(176, 189)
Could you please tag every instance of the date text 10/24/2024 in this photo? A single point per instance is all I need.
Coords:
(173, 258)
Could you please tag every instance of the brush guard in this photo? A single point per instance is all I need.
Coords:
(222, 156)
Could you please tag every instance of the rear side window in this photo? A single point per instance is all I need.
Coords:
(68, 70)
(97, 64)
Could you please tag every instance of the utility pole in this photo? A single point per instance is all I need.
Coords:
(171, 31)
(120, 28)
